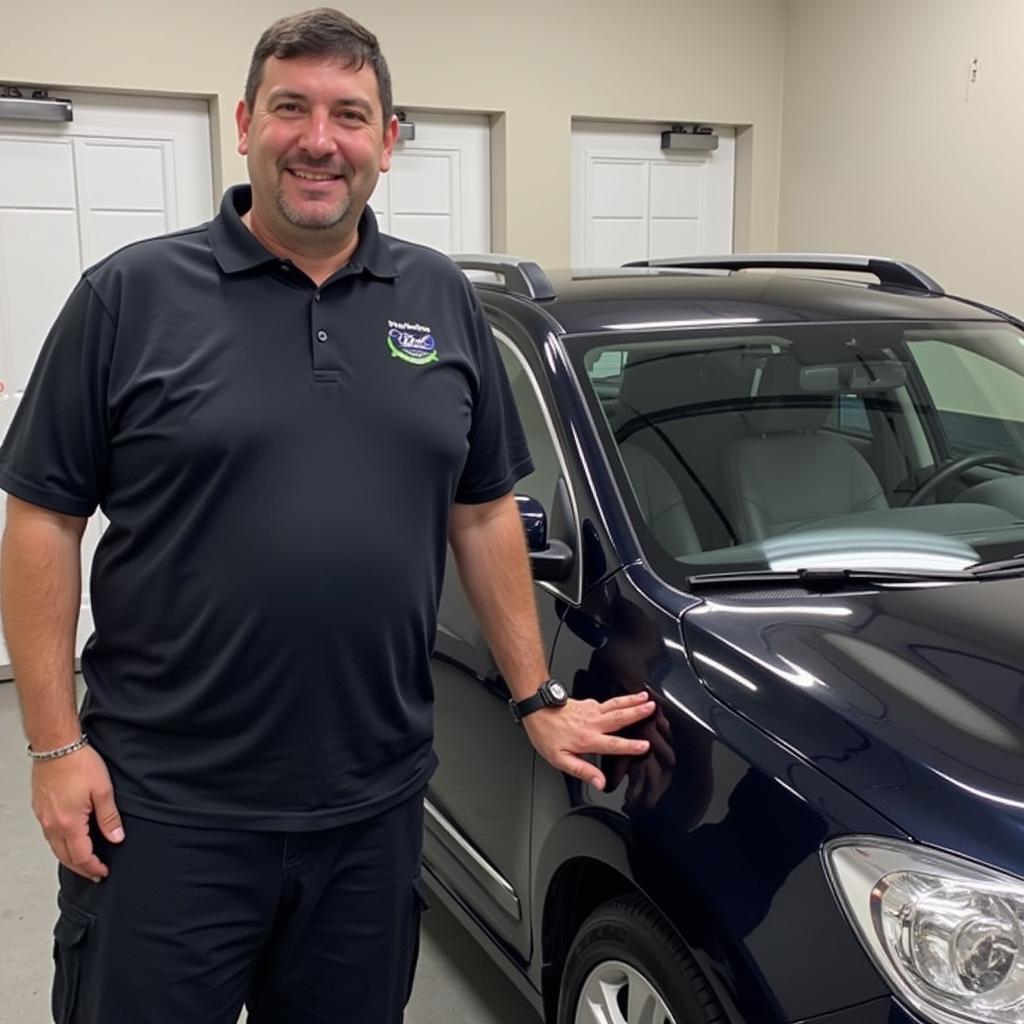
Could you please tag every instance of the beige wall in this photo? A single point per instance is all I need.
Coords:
(886, 148)
(538, 63)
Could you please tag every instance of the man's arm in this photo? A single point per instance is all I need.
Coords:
(40, 591)
(490, 551)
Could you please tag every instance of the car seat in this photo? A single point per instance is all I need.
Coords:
(789, 472)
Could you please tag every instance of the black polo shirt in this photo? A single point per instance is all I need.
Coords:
(277, 462)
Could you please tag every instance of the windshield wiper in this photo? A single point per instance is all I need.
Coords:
(999, 567)
(830, 579)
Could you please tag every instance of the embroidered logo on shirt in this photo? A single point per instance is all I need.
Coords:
(412, 342)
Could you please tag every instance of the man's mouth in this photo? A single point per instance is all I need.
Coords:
(312, 175)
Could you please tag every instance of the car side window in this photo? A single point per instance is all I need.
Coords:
(976, 399)
(540, 484)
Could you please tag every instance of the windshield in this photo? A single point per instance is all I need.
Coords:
(888, 446)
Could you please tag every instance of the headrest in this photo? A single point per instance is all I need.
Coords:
(782, 407)
(653, 381)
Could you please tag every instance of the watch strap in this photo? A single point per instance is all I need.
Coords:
(522, 708)
(543, 698)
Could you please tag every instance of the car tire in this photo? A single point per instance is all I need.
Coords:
(627, 966)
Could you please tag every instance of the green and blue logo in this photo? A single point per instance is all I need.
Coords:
(413, 343)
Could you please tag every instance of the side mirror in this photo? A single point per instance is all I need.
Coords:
(551, 559)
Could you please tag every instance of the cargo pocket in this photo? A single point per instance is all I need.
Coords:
(70, 935)
(419, 905)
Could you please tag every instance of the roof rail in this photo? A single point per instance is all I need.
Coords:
(521, 277)
(888, 271)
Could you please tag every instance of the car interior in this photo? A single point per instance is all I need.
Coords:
(732, 441)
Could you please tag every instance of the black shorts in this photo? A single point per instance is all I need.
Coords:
(300, 927)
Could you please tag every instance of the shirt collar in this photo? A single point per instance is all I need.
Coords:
(236, 248)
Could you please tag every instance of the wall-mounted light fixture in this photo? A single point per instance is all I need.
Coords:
(689, 137)
(36, 106)
(406, 129)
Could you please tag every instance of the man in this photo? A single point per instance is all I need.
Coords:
(283, 415)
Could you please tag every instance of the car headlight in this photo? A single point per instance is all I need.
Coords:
(947, 934)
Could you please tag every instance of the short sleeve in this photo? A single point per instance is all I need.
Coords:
(56, 450)
(498, 455)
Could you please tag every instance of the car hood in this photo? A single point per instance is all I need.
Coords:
(913, 698)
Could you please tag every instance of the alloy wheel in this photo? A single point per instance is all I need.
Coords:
(616, 993)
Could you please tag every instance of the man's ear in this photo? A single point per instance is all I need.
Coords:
(390, 138)
(243, 118)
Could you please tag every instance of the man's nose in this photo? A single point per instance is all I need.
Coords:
(318, 139)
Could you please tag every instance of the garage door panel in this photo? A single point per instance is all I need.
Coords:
(126, 168)
(125, 193)
(37, 173)
(119, 176)
(618, 188)
(109, 230)
(8, 406)
(379, 201)
(615, 241)
(675, 237)
(38, 268)
(424, 229)
(425, 183)
(90, 539)
(437, 192)
(684, 199)
(677, 190)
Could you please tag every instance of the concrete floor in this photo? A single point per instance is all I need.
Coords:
(455, 981)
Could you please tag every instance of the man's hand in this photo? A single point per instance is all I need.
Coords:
(561, 735)
(65, 792)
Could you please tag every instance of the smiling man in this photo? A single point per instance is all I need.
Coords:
(315, 143)
(284, 416)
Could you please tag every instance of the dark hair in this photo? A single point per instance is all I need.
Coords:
(320, 32)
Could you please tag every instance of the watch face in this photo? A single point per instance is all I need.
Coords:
(557, 690)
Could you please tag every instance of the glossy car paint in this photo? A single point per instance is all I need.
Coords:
(723, 825)
(781, 719)
(910, 698)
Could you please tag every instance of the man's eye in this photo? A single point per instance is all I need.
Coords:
(288, 108)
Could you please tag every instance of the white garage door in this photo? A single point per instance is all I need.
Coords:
(124, 169)
(438, 191)
(633, 201)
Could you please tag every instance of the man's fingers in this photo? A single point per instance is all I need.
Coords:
(107, 816)
(581, 769)
(618, 718)
(79, 857)
(60, 851)
(618, 745)
(83, 858)
(627, 701)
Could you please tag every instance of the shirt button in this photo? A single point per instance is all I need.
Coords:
(317, 297)
(284, 266)
(321, 335)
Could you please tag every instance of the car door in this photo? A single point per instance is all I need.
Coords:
(479, 802)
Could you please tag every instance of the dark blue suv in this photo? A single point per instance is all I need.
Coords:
(789, 502)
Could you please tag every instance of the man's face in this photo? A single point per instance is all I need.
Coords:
(314, 143)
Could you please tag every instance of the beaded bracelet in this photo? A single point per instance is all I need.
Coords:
(52, 755)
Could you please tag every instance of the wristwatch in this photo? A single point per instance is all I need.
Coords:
(550, 694)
